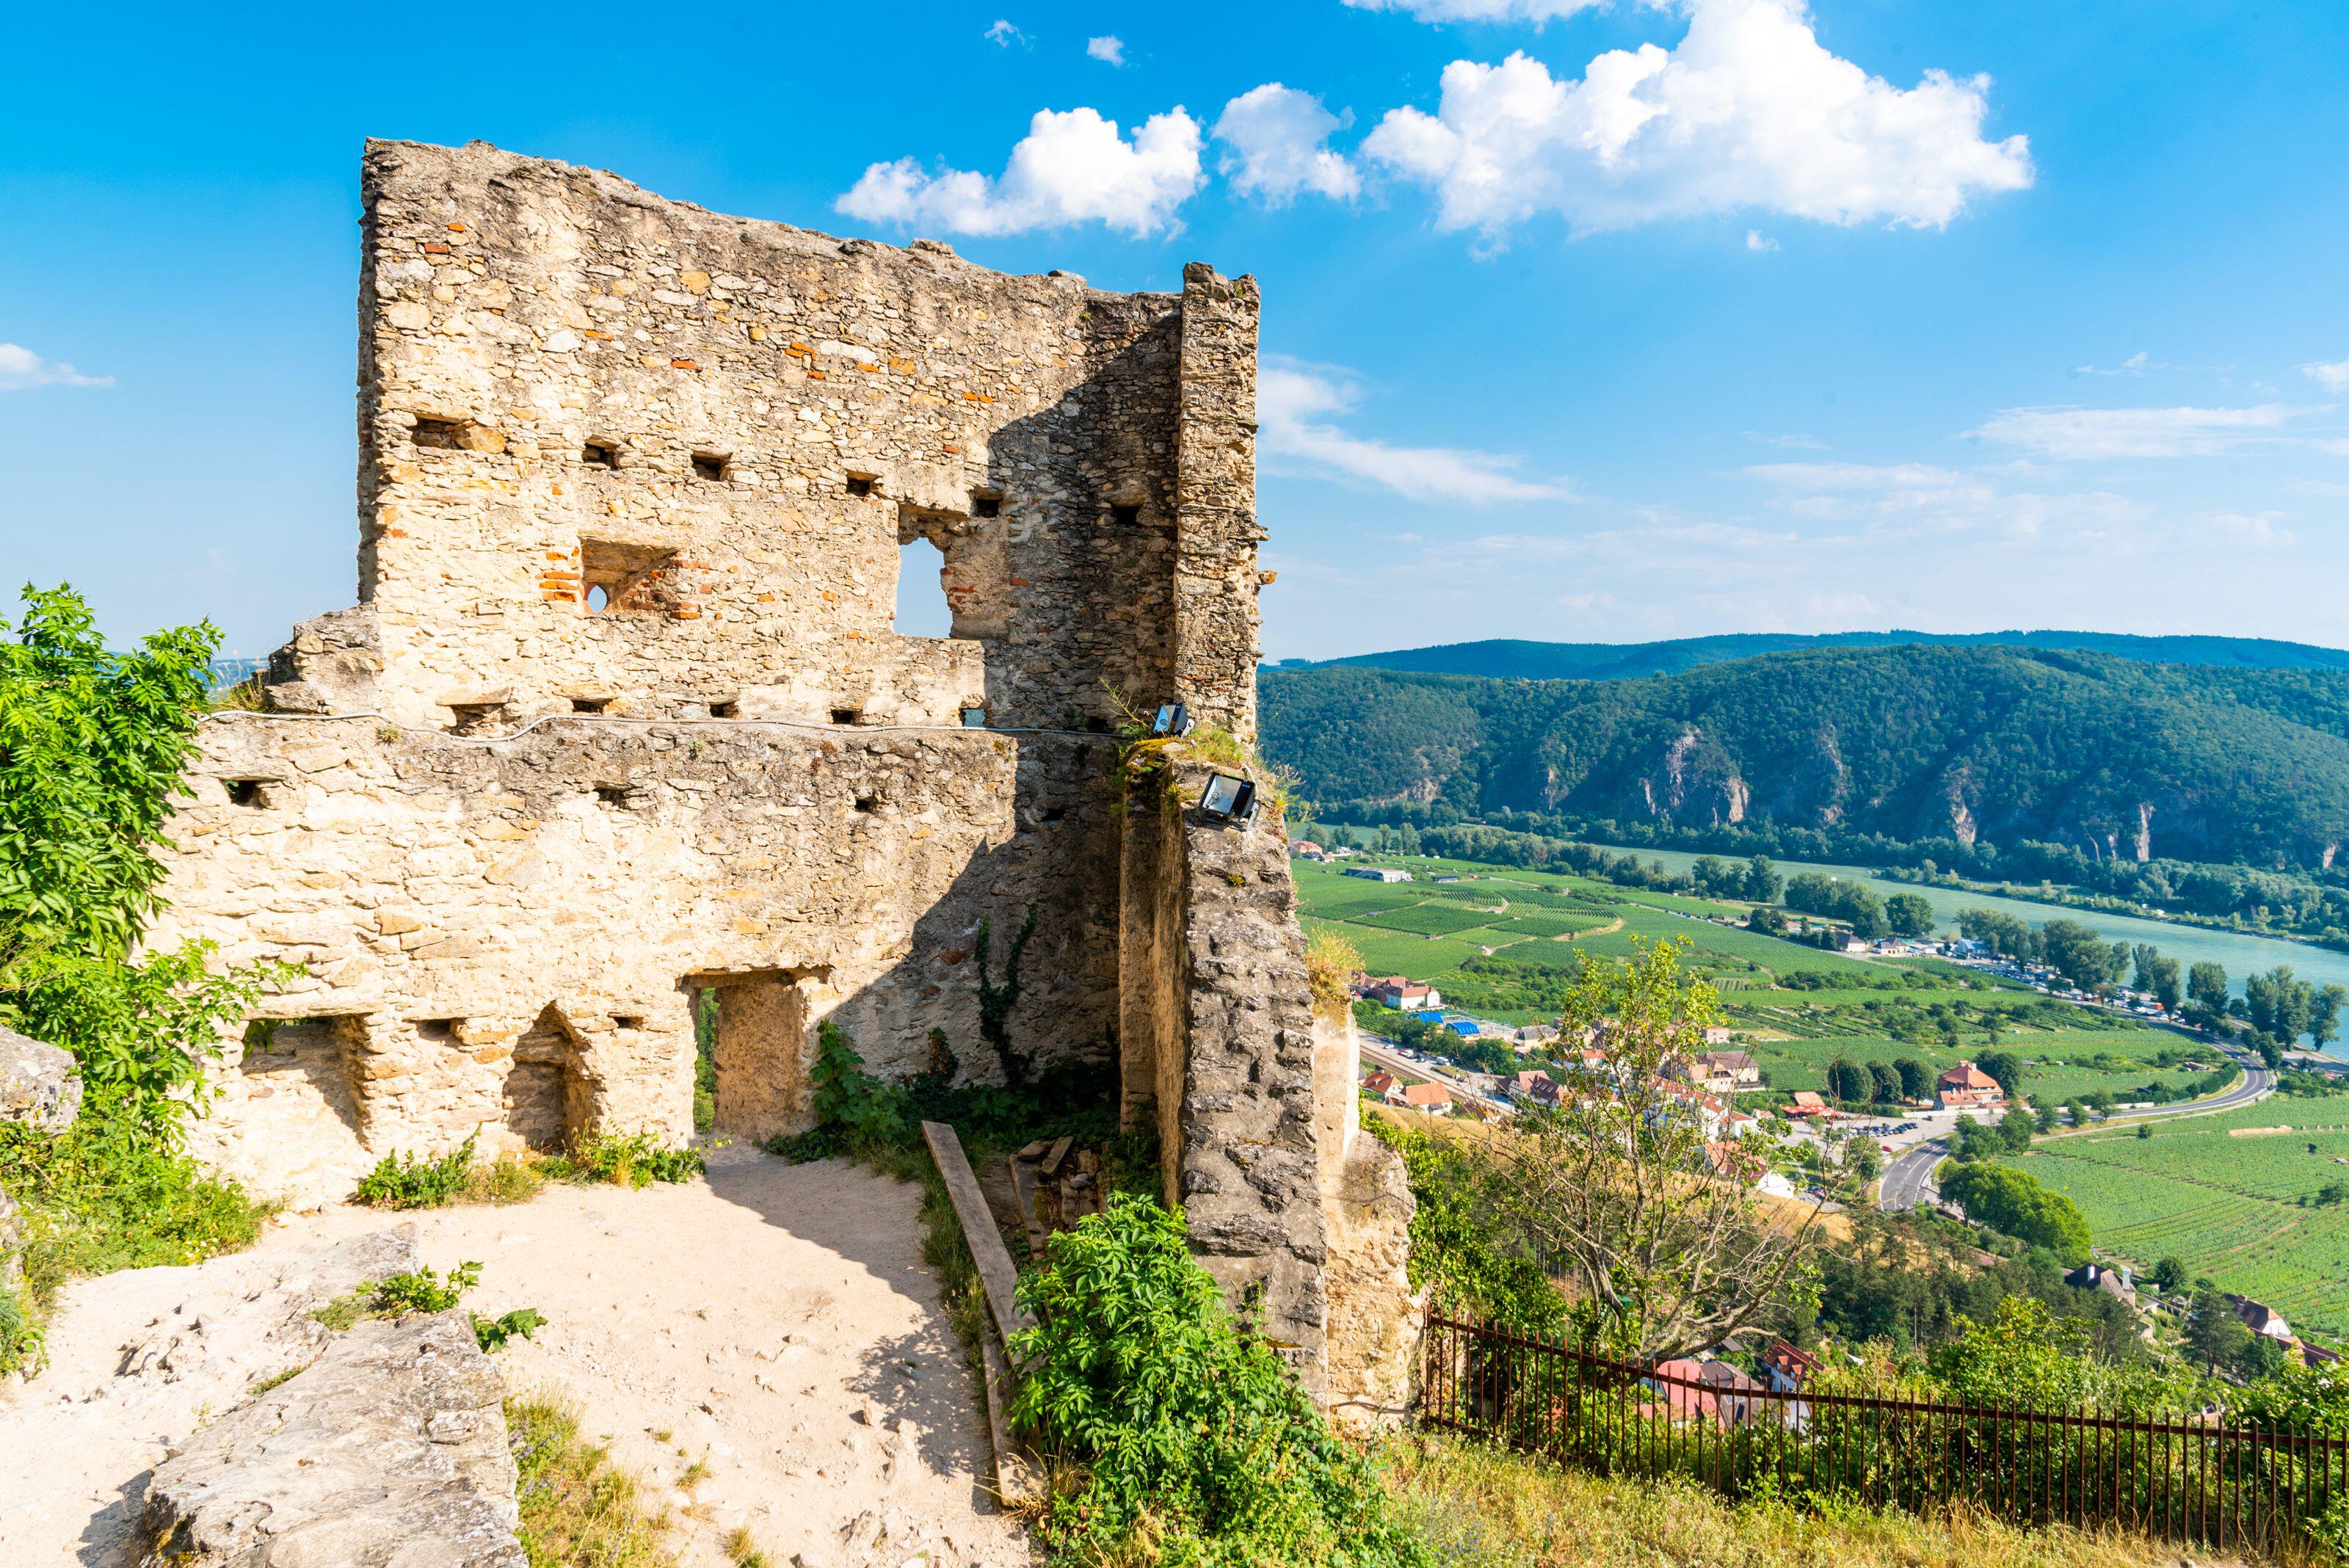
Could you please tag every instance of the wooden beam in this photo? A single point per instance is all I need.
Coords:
(979, 1229)
(1014, 1483)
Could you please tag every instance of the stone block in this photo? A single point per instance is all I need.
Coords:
(39, 1084)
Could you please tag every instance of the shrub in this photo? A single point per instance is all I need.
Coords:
(24, 1345)
(854, 1111)
(1330, 964)
(576, 1506)
(1170, 1424)
(402, 1181)
(630, 1160)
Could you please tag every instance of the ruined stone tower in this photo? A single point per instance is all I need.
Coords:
(620, 713)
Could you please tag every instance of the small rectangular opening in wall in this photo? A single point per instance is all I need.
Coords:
(442, 433)
(847, 715)
(1097, 725)
(985, 505)
(1055, 813)
(590, 704)
(254, 793)
(1125, 516)
(708, 465)
(726, 710)
(439, 1030)
(859, 484)
(628, 1021)
(476, 717)
(866, 803)
(612, 795)
(600, 454)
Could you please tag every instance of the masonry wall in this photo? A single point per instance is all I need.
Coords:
(622, 450)
(509, 934)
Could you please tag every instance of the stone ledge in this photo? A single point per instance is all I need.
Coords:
(388, 1451)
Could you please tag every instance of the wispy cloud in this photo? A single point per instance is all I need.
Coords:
(2333, 378)
(1003, 34)
(1296, 405)
(1756, 241)
(2086, 433)
(2137, 364)
(1072, 167)
(1534, 11)
(21, 369)
(1108, 49)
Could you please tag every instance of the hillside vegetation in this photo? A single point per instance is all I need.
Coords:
(2118, 756)
(1509, 659)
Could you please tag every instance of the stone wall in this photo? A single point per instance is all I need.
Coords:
(621, 715)
(507, 935)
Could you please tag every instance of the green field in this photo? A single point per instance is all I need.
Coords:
(2224, 1200)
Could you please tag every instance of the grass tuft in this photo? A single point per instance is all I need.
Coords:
(578, 1508)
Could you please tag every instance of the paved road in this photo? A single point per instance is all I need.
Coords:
(1380, 1053)
(1905, 1178)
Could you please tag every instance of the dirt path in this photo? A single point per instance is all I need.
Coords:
(774, 1321)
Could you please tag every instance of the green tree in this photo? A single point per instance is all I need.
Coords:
(92, 746)
(2214, 1335)
(1763, 882)
(2006, 1067)
(2013, 1202)
(1846, 1082)
(2015, 1128)
(1863, 1161)
(2079, 1110)
(1909, 915)
(2077, 953)
(2043, 1114)
(2206, 982)
(2169, 1274)
(1916, 1082)
(1884, 1084)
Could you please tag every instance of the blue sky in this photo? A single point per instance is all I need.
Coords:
(1582, 322)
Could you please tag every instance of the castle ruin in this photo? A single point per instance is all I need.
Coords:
(620, 715)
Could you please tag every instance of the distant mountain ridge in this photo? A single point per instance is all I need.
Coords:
(1509, 659)
(2115, 757)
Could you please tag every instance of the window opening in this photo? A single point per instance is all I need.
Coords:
(726, 710)
(846, 715)
(1125, 516)
(246, 792)
(859, 484)
(597, 454)
(864, 804)
(442, 1030)
(590, 704)
(599, 599)
(628, 1021)
(612, 795)
(923, 609)
(443, 434)
(708, 465)
(987, 505)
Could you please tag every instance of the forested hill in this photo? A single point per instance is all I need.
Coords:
(1915, 742)
(1623, 660)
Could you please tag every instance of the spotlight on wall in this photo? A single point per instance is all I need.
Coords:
(1172, 722)
(1229, 799)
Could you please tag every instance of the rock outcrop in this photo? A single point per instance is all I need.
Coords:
(388, 1451)
(38, 1084)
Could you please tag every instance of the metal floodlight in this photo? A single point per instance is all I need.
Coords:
(1172, 722)
(1233, 800)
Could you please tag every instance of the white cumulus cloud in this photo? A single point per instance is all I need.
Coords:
(2087, 433)
(1276, 141)
(1072, 167)
(1003, 34)
(1108, 49)
(2333, 377)
(1534, 11)
(1296, 405)
(21, 369)
(1755, 240)
(1749, 111)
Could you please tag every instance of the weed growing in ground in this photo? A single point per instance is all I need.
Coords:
(405, 1181)
(492, 1333)
(625, 1160)
(577, 1507)
(23, 1342)
(275, 1380)
(742, 1550)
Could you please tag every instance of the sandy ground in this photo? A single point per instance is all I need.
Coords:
(773, 1322)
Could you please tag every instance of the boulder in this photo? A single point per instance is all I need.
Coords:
(38, 1084)
(387, 1451)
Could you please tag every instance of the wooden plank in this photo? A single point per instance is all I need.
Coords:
(1013, 1481)
(986, 1242)
(1059, 1152)
(1023, 1187)
(1033, 1151)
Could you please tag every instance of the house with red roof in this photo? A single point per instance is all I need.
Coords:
(1966, 1087)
